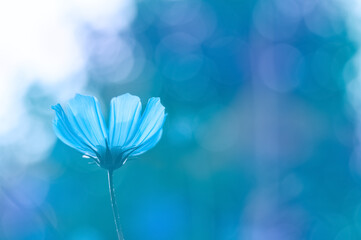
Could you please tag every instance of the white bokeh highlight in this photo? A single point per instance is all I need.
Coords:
(42, 43)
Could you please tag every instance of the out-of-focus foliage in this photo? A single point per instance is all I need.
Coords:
(261, 138)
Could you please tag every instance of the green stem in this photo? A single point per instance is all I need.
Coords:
(114, 205)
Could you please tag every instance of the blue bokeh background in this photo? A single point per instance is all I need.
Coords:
(262, 136)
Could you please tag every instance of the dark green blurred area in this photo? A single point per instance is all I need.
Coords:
(260, 141)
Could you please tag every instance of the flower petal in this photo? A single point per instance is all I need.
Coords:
(65, 132)
(124, 119)
(149, 131)
(87, 120)
(148, 144)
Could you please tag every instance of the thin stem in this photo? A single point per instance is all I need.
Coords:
(114, 205)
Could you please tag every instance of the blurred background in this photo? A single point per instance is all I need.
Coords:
(263, 130)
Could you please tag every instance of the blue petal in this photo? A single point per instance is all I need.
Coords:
(148, 144)
(124, 119)
(65, 132)
(82, 125)
(86, 118)
(150, 127)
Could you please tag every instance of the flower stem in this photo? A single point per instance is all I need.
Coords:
(114, 205)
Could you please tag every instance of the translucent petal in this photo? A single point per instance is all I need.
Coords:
(149, 131)
(66, 133)
(148, 144)
(130, 133)
(124, 119)
(86, 118)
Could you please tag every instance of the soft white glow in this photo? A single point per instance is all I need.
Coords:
(41, 43)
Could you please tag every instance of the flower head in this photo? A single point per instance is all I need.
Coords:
(130, 133)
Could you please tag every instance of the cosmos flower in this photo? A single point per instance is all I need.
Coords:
(130, 133)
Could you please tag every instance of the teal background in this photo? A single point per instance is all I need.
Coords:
(261, 141)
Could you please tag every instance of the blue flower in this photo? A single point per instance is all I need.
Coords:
(81, 126)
